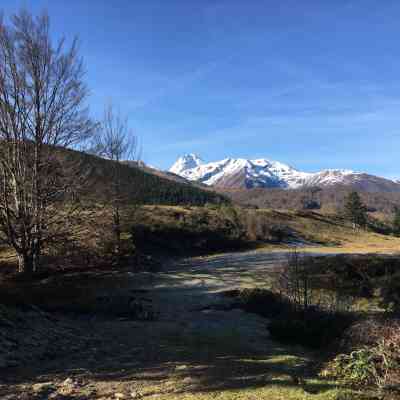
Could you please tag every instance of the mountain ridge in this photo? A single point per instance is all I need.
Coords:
(264, 173)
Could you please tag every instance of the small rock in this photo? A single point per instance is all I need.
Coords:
(43, 388)
(181, 367)
(68, 386)
(68, 382)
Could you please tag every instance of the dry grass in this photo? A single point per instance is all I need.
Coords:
(327, 233)
(314, 232)
(272, 376)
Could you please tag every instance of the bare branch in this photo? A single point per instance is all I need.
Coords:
(116, 142)
(42, 110)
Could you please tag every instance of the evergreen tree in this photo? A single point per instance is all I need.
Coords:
(355, 210)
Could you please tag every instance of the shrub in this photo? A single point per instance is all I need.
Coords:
(314, 328)
(389, 294)
(183, 239)
(376, 363)
(293, 281)
(356, 368)
(280, 233)
(263, 302)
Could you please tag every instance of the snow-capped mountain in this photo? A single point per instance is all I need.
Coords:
(243, 173)
(186, 163)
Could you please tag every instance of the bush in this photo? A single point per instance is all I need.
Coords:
(280, 233)
(314, 328)
(356, 368)
(375, 359)
(365, 333)
(389, 294)
(263, 302)
(183, 239)
(371, 277)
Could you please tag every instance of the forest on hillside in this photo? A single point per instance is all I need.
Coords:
(327, 199)
(138, 186)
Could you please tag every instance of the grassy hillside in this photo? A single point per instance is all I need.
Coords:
(322, 232)
(172, 231)
(263, 228)
(138, 185)
(329, 199)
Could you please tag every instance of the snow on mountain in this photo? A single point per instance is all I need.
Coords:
(331, 177)
(243, 173)
(185, 164)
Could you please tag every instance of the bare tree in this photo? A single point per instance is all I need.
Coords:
(116, 142)
(42, 112)
(294, 280)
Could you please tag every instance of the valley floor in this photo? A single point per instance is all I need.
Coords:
(198, 347)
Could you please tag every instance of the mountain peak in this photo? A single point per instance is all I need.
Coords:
(265, 173)
(186, 162)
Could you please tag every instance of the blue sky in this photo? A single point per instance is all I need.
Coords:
(313, 83)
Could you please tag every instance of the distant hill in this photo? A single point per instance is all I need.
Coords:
(141, 185)
(239, 173)
(166, 174)
(330, 199)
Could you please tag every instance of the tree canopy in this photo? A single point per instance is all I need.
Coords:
(355, 210)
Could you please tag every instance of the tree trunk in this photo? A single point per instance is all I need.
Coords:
(117, 232)
(26, 264)
(305, 292)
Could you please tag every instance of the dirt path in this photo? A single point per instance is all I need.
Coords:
(198, 347)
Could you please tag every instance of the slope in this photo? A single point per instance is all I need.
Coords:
(262, 173)
(139, 185)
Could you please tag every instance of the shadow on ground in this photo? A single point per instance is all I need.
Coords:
(191, 349)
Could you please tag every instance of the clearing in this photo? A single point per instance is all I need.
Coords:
(198, 347)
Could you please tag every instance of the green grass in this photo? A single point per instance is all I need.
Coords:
(221, 366)
(279, 388)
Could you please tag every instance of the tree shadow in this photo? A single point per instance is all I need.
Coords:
(184, 351)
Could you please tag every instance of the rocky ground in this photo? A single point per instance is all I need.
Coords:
(30, 335)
